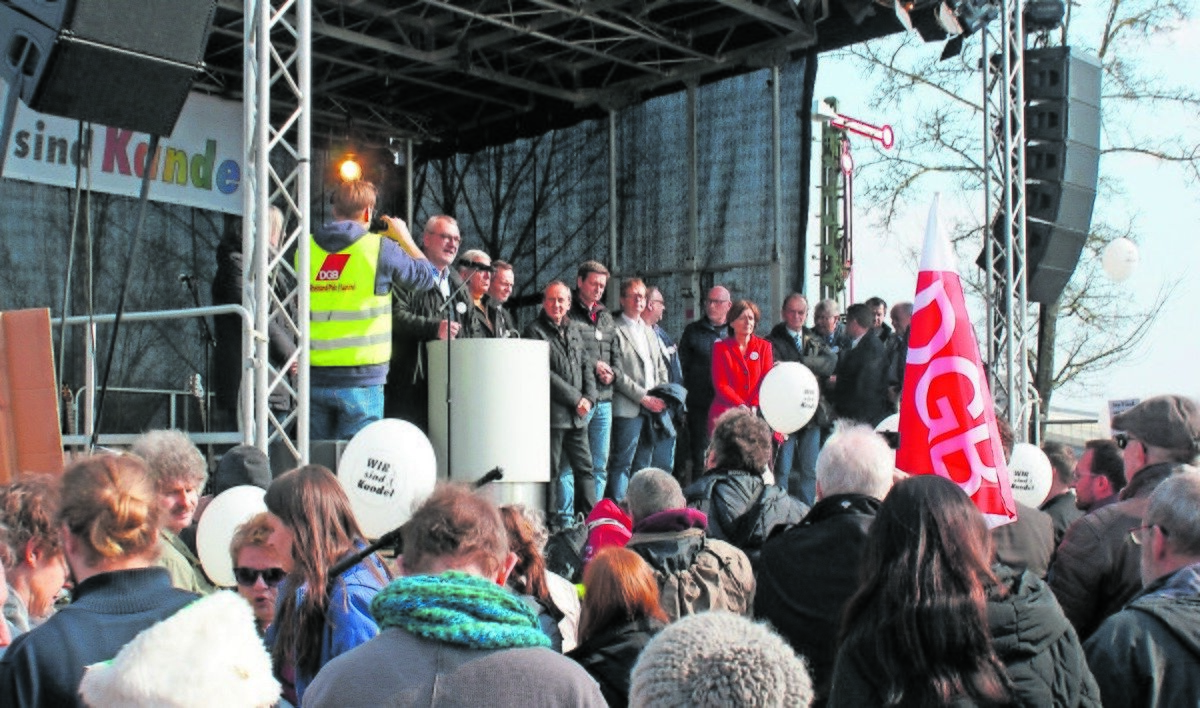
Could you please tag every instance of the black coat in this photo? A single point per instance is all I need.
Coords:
(228, 364)
(743, 510)
(599, 338)
(1028, 542)
(861, 389)
(816, 355)
(415, 319)
(695, 355)
(609, 656)
(806, 576)
(1037, 644)
(572, 375)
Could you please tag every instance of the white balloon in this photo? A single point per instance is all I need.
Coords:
(221, 518)
(1031, 474)
(1120, 259)
(387, 469)
(788, 396)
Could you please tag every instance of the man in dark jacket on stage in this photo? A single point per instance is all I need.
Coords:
(572, 395)
(792, 341)
(420, 317)
(807, 573)
(695, 354)
(860, 385)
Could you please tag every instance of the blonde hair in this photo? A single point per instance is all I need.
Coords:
(110, 503)
(254, 532)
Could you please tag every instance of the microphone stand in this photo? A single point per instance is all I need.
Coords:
(393, 537)
(210, 342)
(450, 306)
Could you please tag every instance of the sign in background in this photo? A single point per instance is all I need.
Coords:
(198, 165)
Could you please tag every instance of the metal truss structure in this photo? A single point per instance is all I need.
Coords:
(277, 87)
(453, 76)
(1004, 239)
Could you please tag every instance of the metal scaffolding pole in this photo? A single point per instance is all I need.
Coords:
(1004, 236)
(278, 74)
(778, 287)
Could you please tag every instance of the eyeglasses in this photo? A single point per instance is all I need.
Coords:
(249, 576)
(1122, 439)
(448, 237)
(717, 302)
(1141, 533)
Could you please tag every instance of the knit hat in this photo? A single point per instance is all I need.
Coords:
(607, 525)
(207, 654)
(1170, 422)
(244, 464)
(719, 659)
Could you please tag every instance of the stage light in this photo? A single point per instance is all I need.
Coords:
(973, 15)
(349, 169)
(1044, 15)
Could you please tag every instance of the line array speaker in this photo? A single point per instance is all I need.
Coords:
(127, 64)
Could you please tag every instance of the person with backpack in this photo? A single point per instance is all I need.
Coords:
(742, 508)
(695, 573)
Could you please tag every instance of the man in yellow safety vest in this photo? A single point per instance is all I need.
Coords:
(351, 274)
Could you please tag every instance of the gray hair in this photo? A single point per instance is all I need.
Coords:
(653, 490)
(828, 306)
(1175, 507)
(171, 456)
(855, 460)
(477, 256)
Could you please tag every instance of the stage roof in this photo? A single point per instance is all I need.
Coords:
(456, 75)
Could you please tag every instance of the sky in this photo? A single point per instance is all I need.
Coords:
(1156, 197)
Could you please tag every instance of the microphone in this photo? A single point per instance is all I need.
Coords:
(185, 278)
(472, 265)
(493, 475)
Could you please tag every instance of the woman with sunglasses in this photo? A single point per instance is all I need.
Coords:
(319, 617)
(257, 568)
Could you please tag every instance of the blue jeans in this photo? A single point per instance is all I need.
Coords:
(599, 434)
(339, 413)
(570, 446)
(631, 453)
(800, 450)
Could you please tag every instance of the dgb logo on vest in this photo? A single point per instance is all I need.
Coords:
(332, 268)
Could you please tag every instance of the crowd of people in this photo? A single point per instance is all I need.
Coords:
(623, 394)
(890, 590)
(712, 560)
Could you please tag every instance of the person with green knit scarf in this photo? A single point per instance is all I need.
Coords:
(451, 633)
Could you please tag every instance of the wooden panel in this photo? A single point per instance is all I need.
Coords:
(30, 439)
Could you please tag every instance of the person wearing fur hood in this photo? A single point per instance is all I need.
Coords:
(207, 655)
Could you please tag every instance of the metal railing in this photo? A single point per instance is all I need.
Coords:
(88, 389)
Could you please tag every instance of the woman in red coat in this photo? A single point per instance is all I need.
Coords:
(739, 363)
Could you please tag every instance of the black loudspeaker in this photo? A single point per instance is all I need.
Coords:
(1062, 162)
(127, 64)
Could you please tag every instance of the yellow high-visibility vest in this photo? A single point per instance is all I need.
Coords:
(349, 324)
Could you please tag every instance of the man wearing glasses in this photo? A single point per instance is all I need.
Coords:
(1099, 475)
(424, 316)
(695, 354)
(1098, 567)
(1146, 654)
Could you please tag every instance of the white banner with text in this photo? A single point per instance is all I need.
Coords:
(198, 165)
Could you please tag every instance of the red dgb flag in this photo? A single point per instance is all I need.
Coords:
(947, 420)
